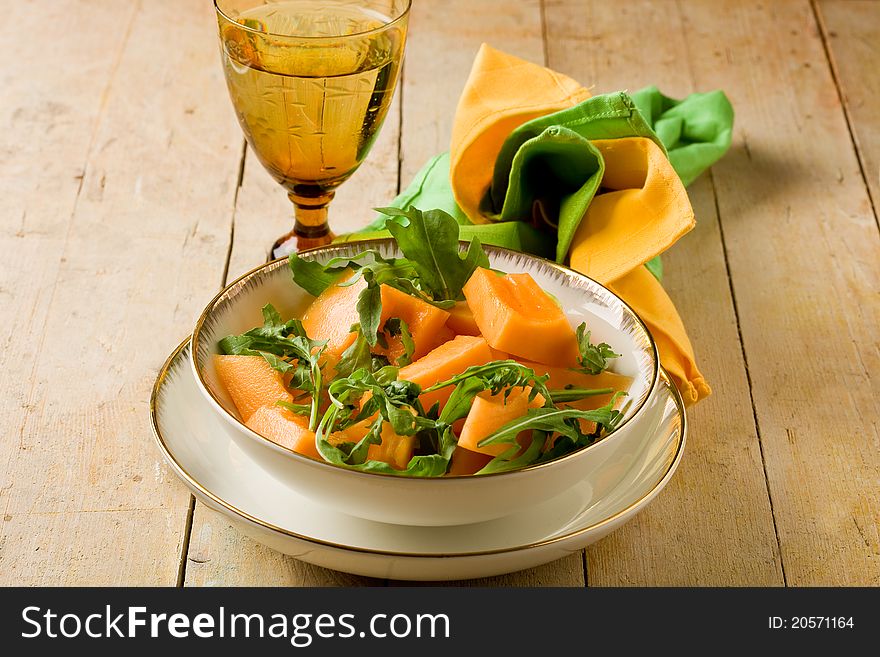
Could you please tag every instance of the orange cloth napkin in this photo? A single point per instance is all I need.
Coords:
(640, 211)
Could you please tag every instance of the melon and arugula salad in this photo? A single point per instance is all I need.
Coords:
(427, 365)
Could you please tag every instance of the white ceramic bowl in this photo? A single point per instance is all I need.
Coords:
(423, 501)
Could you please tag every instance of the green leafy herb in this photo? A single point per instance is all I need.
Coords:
(397, 327)
(394, 402)
(593, 359)
(312, 276)
(430, 240)
(299, 409)
(501, 375)
(554, 420)
(576, 394)
(369, 307)
(504, 462)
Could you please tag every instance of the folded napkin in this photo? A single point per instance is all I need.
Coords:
(538, 165)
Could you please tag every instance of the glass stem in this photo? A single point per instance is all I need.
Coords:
(310, 228)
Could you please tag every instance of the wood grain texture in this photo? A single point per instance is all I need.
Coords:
(114, 237)
(220, 556)
(804, 256)
(713, 524)
(124, 178)
(851, 30)
(444, 40)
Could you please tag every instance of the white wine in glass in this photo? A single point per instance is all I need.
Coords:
(311, 82)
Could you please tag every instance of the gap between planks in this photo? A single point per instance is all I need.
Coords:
(736, 314)
(822, 31)
(748, 377)
(190, 514)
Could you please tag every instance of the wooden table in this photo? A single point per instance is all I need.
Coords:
(129, 198)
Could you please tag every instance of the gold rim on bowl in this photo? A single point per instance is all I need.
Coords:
(206, 494)
(375, 243)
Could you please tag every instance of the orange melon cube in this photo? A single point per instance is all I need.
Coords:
(444, 362)
(516, 316)
(251, 382)
(461, 320)
(395, 450)
(331, 315)
(424, 321)
(563, 377)
(466, 462)
(286, 428)
(491, 412)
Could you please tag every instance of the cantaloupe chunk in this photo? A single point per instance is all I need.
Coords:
(563, 377)
(395, 450)
(444, 362)
(251, 382)
(466, 462)
(444, 334)
(423, 320)
(282, 426)
(461, 320)
(331, 315)
(491, 412)
(515, 315)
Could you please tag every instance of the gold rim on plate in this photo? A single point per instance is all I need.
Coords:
(374, 243)
(205, 493)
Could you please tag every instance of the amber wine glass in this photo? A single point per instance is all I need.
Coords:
(311, 82)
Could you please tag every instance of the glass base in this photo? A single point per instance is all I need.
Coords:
(292, 243)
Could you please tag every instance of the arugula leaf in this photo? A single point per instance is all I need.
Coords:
(461, 399)
(369, 307)
(430, 240)
(311, 275)
(502, 375)
(593, 359)
(356, 356)
(552, 420)
(529, 456)
(395, 326)
(429, 465)
(299, 409)
(576, 394)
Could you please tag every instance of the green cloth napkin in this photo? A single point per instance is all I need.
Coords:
(548, 172)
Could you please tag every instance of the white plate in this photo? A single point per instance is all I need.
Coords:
(227, 480)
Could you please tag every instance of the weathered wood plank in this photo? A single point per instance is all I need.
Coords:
(220, 556)
(851, 30)
(112, 201)
(692, 534)
(804, 256)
